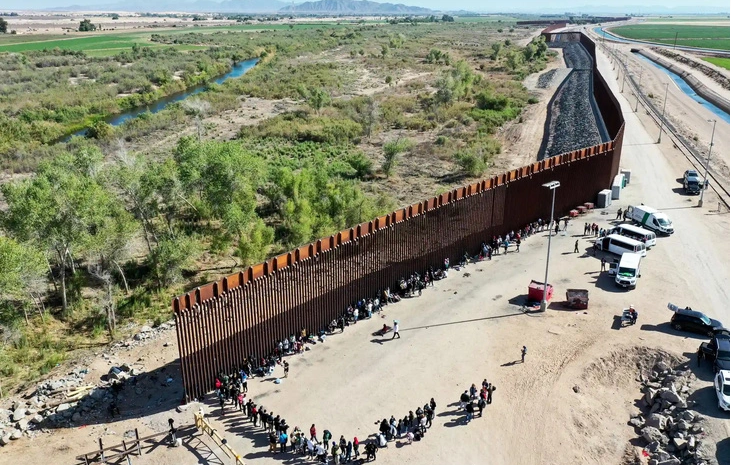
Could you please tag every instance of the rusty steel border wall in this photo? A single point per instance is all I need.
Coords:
(221, 323)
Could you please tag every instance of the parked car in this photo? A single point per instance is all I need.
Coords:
(690, 320)
(722, 383)
(718, 351)
(692, 182)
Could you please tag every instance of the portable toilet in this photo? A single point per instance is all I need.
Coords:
(604, 199)
(627, 174)
(617, 186)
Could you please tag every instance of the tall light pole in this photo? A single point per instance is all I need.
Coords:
(708, 163)
(551, 185)
(639, 89)
(662, 118)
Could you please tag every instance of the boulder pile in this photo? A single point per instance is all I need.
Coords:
(672, 431)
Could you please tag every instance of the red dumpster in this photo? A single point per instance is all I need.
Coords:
(535, 291)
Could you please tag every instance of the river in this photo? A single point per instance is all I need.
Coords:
(238, 70)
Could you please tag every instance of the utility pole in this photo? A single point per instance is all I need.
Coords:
(662, 118)
(639, 90)
(675, 41)
(708, 163)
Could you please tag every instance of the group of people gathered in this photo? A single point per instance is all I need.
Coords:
(471, 402)
(412, 427)
(233, 387)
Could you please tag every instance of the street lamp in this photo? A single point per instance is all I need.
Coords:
(639, 89)
(662, 118)
(708, 163)
(551, 185)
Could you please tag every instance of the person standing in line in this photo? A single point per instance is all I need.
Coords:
(604, 264)
(356, 447)
(355, 315)
(473, 391)
(576, 246)
(470, 411)
(463, 399)
(489, 393)
(480, 405)
(395, 330)
(523, 351)
(313, 433)
(348, 451)
(517, 244)
(286, 368)
(283, 442)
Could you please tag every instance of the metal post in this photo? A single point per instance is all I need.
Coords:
(708, 163)
(551, 185)
(623, 80)
(662, 118)
(675, 41)
(639, 90)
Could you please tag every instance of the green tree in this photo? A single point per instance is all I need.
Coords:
(115, 16)
(384, 50)
(448, 18)
(100, 130)
(496, 48)
(22, 276)
(86, 26)
(170, 257)
(3, 26)
(61, 209)
(317, 98)
(514, 59)
(391, 151)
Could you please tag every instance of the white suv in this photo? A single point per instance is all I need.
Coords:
(722, 382)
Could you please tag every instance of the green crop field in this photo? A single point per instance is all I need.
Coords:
(716, 37)
(103, 44)
(722, 62)
(689, 19)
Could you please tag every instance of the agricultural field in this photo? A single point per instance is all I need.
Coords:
(722, 62)
(714, 37)
(690, 19)
(105, 44)
(335, 125)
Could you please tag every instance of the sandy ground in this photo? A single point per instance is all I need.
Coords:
(465, 329)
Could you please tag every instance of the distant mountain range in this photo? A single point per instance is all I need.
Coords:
(334, 7)
(354, 7)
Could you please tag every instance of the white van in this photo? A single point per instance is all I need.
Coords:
(618, 245)
(650, 218)
(648, 238)
(629, 270)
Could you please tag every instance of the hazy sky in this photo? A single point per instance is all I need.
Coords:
(636, 6)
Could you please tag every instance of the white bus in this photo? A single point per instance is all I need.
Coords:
(618, 245)
(628, 270)
(648, 238)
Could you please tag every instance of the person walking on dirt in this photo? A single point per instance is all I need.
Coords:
(286, 368)
(313, 433)
(576, 246)
(619, 213)
(624, 214)
(395, 330)
(517, 244)
(604, 264)
(523, 351)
